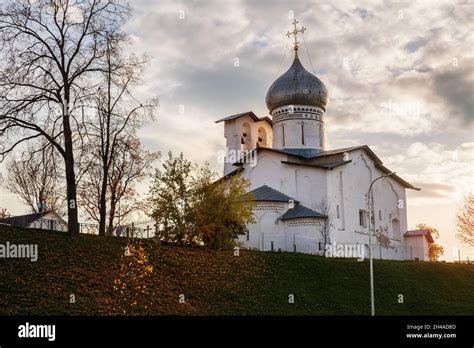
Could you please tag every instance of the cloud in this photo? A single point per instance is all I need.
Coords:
(415, 44)
(434, 190)
(442, 173)
(456, 88)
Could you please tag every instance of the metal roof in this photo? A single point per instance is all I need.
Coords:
(254, 117)
(297, 86)
(300, 212)
(266, 193)
(322, 165)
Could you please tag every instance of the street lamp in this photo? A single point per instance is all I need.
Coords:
(369, 194)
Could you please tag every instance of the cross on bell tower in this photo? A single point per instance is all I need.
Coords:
(295, 32)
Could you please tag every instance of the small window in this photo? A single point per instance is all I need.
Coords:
(362, 220)
(302, 134)
(248, 235)
(380, 215)
(338, 212)
(283, 136)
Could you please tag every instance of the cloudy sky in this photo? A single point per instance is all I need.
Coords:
(399, 73)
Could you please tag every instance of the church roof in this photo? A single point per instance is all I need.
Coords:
(366, 148)
(254, 117)
(300, 212)
(377, 162)
(322, 165)
(297, 86)
(266, 193)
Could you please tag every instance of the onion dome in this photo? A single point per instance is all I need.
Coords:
(297, 86)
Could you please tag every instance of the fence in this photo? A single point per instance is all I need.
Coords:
(314, 245)
(133, 231)
(130, 230)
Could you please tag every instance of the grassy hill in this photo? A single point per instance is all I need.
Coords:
(219, 283)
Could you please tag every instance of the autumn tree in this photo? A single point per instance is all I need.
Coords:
(51, 52)
(169, 200)
(131, 283)
(35, 178)
(193, 208)
(465, 221)
(220, 209)
(435, 250)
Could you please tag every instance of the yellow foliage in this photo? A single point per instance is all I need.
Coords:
(130, 283)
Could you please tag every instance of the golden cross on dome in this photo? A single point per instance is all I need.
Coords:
(295, 32)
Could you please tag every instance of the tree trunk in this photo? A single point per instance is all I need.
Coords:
(111, 214)
(73, 222)
(103, 203)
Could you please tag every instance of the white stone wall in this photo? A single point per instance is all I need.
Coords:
(417, 247)
(303, 128)
(305, 184)
(344, 188)
(312, 131)
(348, 186)
(270, 232)
(267, 227)
(303, 235)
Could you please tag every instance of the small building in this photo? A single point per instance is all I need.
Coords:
(418, 244)
(48, 220)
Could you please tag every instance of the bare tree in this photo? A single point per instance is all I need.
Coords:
(50, 53)
(465, 221)
(131, 163)
(34, 176)
(117, 117)
(326, 225)
(382, 238)
(4, 213)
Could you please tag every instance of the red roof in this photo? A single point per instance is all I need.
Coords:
(414, 233)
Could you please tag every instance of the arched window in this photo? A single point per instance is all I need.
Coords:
(262, 137)
(246, 140)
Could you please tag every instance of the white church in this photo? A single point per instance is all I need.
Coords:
(306, 195)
